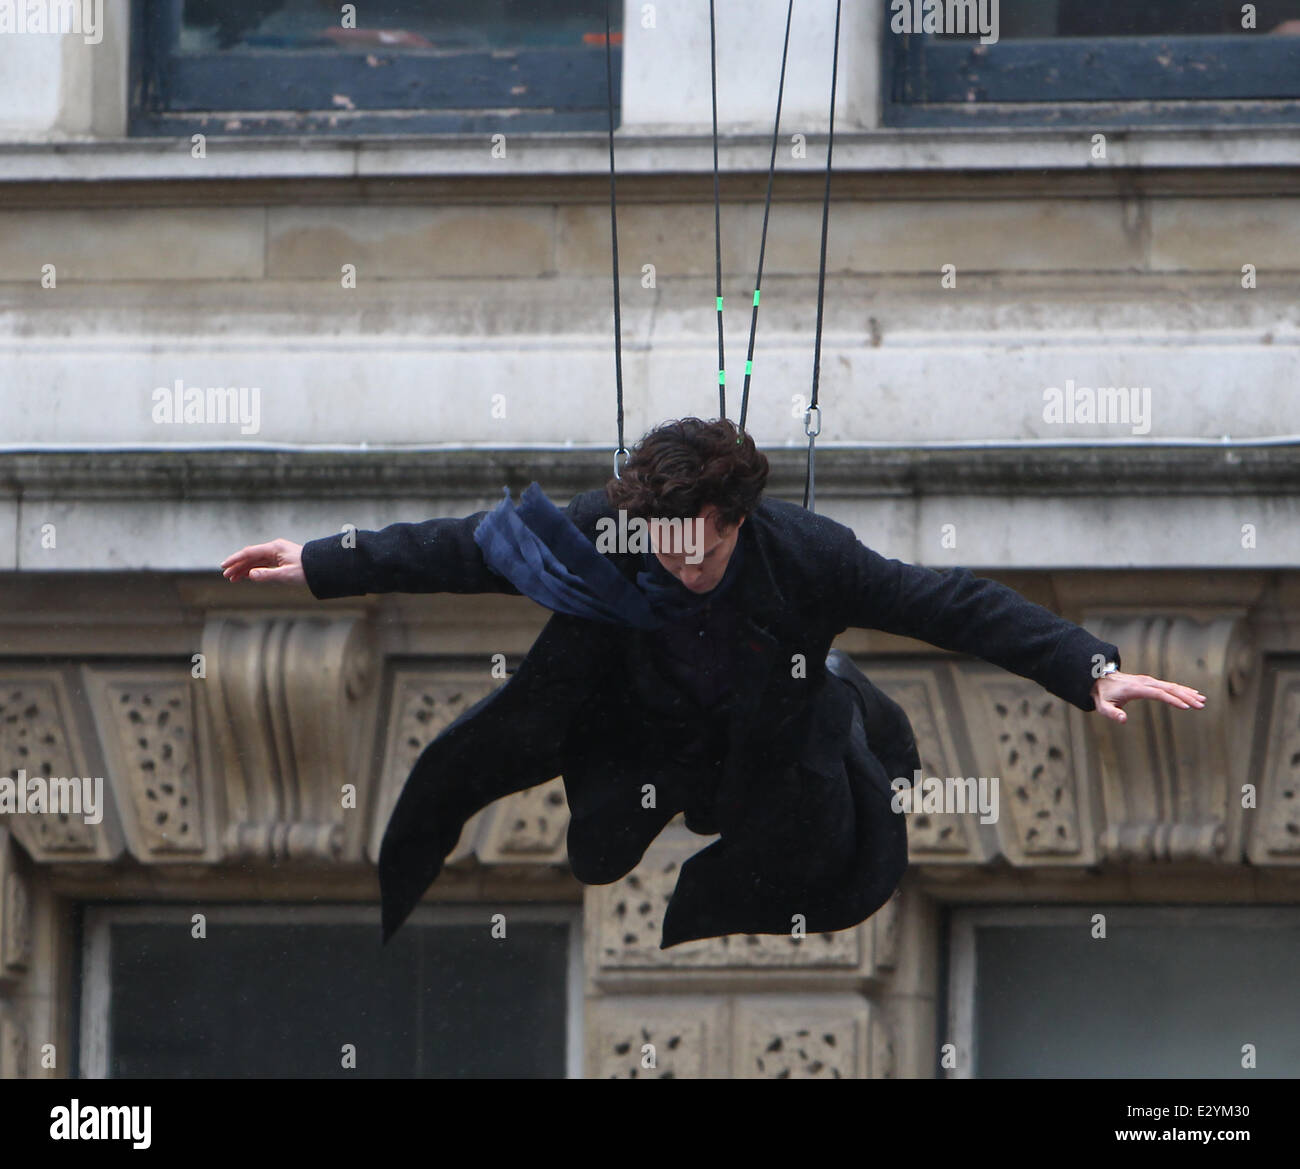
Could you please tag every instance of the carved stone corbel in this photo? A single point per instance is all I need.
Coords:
(288, 699)
(1274, 838)
(1171, 779)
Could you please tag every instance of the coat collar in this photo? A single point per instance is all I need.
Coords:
(759, 597)
(759, 600)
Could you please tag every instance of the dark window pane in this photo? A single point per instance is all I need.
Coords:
(1027, 19)
(281, 999)
(1125, 18)
(1146, 1001)
(1162, 62)
(290, 66)
(391, 25)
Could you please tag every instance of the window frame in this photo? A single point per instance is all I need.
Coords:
(92, 1056)
(925, 79)
(171, 94)
(964, 921)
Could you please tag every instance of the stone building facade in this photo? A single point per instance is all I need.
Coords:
(972, 270)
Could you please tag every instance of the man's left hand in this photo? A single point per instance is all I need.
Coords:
(1111, 691)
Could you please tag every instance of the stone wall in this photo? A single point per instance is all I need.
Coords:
(475, 351)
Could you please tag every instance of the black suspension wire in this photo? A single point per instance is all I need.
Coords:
(717, 215)
(813, 417)
(613, 230)
(762, 248)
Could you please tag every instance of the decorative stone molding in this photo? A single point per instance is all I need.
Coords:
(424, 702)
(886, 925)
(147, 728)
(802, 1037)
(1021, 734)
(760, 1036)
(286, 696)
(933, 837)
(1275, 835)
(1170, 779)
(13, 1045)
(882, 1052)
(15, 915)
(689, 1038)
(527, 827)
(39, 736)
(625, 918)
(16, 959)
(250, 762)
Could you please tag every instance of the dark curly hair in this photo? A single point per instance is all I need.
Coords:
(683, 466)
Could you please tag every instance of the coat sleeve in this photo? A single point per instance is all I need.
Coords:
(433, 556)
(958, 611)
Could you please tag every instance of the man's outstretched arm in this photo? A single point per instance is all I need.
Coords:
(433, 556)
(959, 611)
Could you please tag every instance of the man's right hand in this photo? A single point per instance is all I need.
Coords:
(280, 560)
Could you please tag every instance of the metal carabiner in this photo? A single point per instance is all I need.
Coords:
(621, 451)
(807, 418)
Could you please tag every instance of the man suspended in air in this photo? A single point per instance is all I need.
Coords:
(695, 676)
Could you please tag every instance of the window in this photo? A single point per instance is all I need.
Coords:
(1167, 993)
(1093, 62)
(280, 990)
(290, 66)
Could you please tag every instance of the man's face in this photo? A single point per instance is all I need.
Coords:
(700, 574)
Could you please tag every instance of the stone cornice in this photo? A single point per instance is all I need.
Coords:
(653, 165)
(846, 473)
(969, 182)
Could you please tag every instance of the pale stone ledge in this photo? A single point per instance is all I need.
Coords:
(670, 152)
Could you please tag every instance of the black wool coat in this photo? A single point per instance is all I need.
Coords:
(566, 709)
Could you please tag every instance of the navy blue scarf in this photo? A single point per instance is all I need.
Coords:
(540, 551)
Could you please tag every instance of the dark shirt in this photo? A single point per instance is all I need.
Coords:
(697, 653)
(684, 671)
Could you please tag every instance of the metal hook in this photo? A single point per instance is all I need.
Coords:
(621, 451)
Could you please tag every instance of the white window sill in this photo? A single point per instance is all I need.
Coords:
(966, 149)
